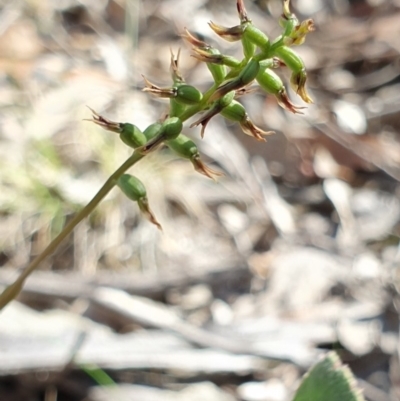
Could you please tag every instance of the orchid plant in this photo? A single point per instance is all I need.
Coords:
(232, 79)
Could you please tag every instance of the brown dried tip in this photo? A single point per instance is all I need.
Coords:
(206, 57)
(205, 119)
(201, 168)
(151, 146)
(104, 122)
(229, 86)
(242, 12)
(250, 129)
(145, 209)
(298, 36)
(230, 34)
(174, 67)
(193, 40)
(245, 91)
(286, 9)
(157, 91)
(285, 102)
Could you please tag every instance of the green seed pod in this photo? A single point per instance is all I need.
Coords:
(257, 37)
(290, 58)
(248, 46)
(183, 146)
(217, 71)
(132, 187)
(226, 100)
(188, 95)
(234, 111)
(152, 130)
(132, 136)
(269, 81)
(171, 128)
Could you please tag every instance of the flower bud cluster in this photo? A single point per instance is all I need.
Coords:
(232, 79)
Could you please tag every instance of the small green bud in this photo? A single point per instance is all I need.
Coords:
(132, 136)
(152, 130)
(172, 127)
(188, 95)
(234, 111)
(132, 187)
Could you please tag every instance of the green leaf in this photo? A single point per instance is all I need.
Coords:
(329, 380)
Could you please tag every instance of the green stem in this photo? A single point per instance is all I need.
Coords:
(14, 289)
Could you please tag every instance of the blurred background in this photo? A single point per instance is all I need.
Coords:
(295, 251)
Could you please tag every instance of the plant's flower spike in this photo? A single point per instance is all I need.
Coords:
(157, 91)
(187, 149)
(229, 34)
(299, 33)
(246, 76)
(104, 122)
(193, 40)
(299, 75)
(242, 12)
(144, 207)
(174, 68)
